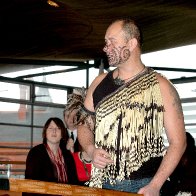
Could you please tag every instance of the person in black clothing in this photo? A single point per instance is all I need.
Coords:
(72, 143)
(51, 161)
(183, 179)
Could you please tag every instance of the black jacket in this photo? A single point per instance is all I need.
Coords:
(40, 167)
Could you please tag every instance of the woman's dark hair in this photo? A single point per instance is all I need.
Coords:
(59, 124)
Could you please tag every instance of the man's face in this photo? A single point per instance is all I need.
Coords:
(70, 119)
(116, 47)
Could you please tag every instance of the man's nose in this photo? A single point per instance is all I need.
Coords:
(106, 47)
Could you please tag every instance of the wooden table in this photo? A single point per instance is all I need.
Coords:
(17, 186)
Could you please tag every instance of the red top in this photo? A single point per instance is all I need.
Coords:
(83, 169)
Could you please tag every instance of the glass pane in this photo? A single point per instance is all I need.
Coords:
(50, 95)
(176, 74)
(15, 113)
(179, 57)
(73, 78)
(93, 73)
(15, 136)
(37, 136)
(14, 91)
(42, 114)
(186, 90)
(189, 110)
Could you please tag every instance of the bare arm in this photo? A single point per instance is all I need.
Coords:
(175, 131)
(85, 135)
(100, 157)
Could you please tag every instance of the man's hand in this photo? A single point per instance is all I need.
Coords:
(70, 145)
(100, 158)
(149, 190)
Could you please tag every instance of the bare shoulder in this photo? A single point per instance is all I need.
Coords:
(88, 103)
(169, 93)
(165, 84)
(96, 81)
(162, 79)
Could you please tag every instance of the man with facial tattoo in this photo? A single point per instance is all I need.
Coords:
(124, 115)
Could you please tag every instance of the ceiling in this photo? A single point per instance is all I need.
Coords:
(73, 30)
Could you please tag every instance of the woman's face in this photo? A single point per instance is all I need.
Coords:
(53, 133)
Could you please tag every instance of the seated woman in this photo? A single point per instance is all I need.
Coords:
(51, 161)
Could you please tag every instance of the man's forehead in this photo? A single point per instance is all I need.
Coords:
(114, 32)
(70, 113)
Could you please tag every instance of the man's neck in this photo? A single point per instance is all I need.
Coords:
(130, 71)
(71, 128)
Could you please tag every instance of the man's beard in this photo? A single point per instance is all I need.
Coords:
(118, 56)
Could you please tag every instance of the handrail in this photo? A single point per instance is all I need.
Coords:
(35, 186)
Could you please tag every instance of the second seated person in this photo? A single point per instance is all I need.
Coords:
(69, 119)
(51, 161)
(71, 114)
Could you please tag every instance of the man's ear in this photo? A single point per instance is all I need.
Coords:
(133, 43)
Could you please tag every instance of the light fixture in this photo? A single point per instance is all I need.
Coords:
(52, 3)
